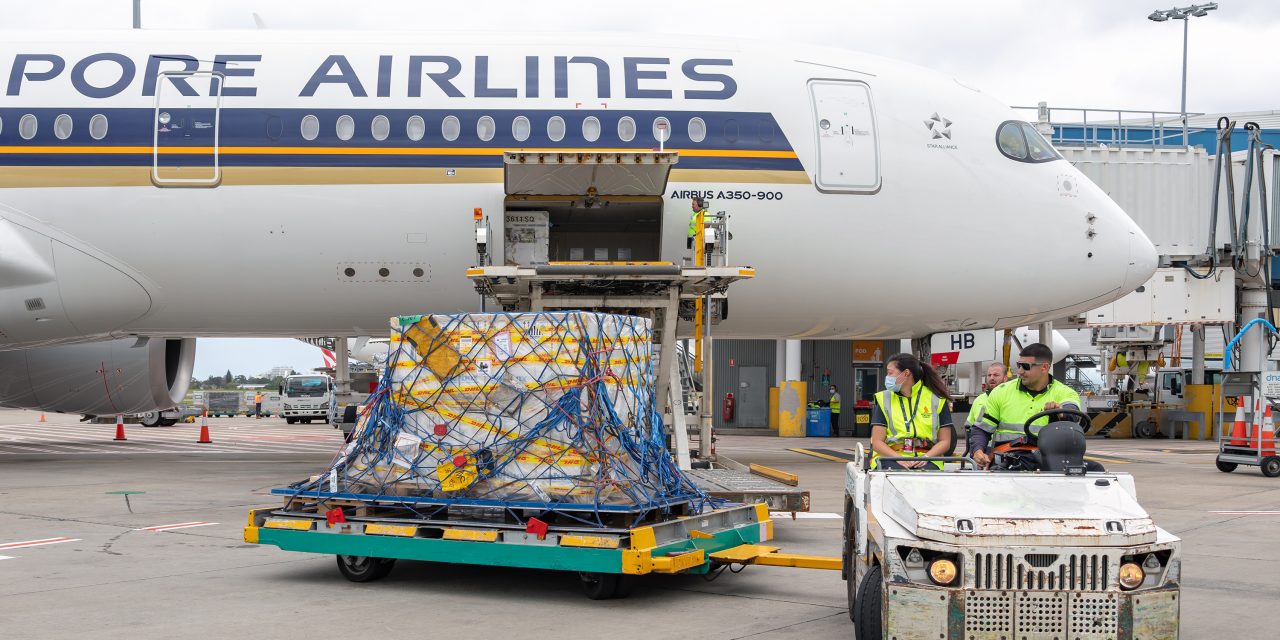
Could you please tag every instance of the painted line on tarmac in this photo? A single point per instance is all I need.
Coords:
(1108, 460)
(802, 515)
(6, 557)
(171, 527)
(818, 454)
(36, 543)
(1246, 513)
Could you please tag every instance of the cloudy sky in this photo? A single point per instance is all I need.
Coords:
(1084, 53)
(1095, 53)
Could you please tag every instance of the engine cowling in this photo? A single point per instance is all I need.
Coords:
(125, 376)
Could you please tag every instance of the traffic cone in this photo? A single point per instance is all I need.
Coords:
(1267, 439)
(1238, 430)
(204, 428)
(120, 428)
(42, 417)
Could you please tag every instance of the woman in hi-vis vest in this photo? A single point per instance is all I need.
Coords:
(910, 418)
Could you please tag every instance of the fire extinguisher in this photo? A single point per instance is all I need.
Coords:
(726, 412)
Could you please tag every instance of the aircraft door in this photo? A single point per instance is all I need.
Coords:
(186, 135)
(847, 142)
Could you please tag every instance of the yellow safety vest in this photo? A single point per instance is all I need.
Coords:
(1010, 404)
(917, 417)
(835, 402)
(693, 222)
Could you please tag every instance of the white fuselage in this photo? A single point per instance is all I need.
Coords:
(944, 232)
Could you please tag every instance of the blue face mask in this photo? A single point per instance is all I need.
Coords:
(891, 383)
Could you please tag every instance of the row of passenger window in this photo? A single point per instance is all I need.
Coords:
(415, 128)
(28, 125)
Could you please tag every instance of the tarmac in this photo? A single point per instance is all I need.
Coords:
(142, 539)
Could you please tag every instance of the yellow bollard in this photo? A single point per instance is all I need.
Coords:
(791, 409)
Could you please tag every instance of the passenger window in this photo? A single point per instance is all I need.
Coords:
(766, 130)
(62, 127)
(661, 130)
(626, 129)
(346, 128)
(27, 126)
(381, 128)
(521, 129)
(98, 126)
(415, 128)
(1, 125)
(555, 129)
(591, 129)
(310, 128)
(730, 131)
(697, 129)
(451, 128)
(486, 128)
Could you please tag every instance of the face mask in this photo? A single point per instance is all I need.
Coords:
(891, 383)
(832, 390)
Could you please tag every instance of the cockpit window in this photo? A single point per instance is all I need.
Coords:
(1039, 149)
(1020, 141)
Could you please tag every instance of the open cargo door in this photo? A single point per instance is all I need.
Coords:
(546, 173)
(584, 206)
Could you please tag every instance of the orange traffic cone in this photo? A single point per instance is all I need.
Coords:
(1238, 430)
(120, 428)
(1267, 439)
(204, 428)
(42, 417)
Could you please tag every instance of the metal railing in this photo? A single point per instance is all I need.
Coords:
(1085, 127)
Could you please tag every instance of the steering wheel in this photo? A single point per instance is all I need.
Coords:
(1081, 417)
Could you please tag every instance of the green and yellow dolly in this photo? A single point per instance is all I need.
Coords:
(606, 560)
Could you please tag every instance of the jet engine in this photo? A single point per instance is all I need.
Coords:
(125, 376)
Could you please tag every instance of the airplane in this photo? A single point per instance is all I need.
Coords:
(366, 350)
(159, 186)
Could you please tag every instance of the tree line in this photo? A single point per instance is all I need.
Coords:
(229, 381)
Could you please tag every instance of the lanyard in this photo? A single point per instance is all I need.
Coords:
(915, 406)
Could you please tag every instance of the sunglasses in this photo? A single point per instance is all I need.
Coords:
(1026, 366)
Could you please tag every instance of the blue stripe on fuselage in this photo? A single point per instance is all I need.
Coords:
(257, 127)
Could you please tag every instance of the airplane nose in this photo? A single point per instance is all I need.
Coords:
(1142, 259)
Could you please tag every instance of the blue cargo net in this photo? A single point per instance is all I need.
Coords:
(531, 414)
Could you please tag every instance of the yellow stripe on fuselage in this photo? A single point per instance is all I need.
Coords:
(371, 151)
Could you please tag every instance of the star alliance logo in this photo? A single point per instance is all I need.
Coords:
(938, 126)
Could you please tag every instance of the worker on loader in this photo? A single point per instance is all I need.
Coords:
(699, 205)
(910, 417)
(1012, 403)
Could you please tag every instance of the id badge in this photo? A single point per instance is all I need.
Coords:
(909, 446)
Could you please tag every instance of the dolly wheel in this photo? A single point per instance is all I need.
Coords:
(599, 586)
(365, 568)
(626, 583)
(1226, 467)
(1271, 467)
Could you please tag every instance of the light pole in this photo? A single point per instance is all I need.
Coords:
(1184, 14)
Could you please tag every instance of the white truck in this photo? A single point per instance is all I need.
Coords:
(982, 555)
(306, 397)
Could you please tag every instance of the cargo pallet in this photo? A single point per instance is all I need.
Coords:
(370, 536)
(656, 291)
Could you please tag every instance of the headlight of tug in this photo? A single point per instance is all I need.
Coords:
(1131, 575)
(942, 572)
